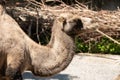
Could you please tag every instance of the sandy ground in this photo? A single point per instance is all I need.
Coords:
(85, 68)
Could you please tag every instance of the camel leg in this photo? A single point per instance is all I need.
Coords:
(14, 64)
(13, 72)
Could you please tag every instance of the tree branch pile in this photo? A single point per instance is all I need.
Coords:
(33, 13)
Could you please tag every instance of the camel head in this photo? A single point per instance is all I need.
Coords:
(72, 25)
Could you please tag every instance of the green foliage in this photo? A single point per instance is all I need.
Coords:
(103, 46)
(81, 47)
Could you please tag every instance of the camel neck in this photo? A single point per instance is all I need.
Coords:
(51, 60)
(62, 41)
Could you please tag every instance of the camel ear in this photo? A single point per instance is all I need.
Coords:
(61, 19)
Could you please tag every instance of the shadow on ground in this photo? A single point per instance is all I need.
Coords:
(29, 76)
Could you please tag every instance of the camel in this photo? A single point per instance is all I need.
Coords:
(19, 53)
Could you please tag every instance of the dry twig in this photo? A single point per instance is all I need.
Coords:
(108, 37)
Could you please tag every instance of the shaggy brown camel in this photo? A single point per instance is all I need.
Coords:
(19, 53)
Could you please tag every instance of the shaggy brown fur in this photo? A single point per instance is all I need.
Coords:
(19, 53)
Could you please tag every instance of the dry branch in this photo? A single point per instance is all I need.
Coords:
(106, 21)
(108, 36)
